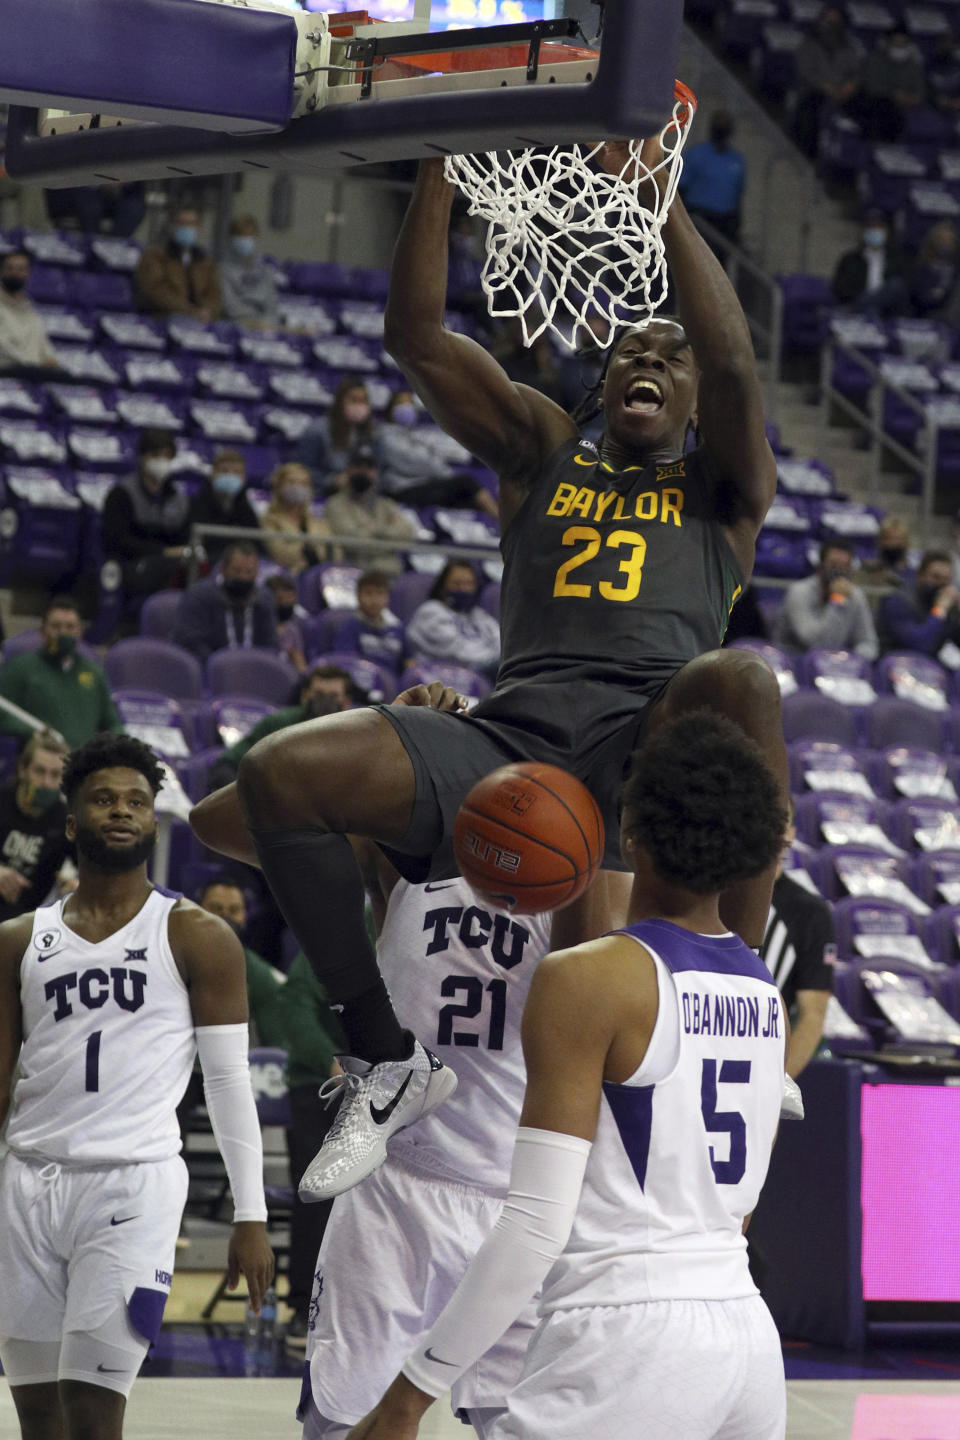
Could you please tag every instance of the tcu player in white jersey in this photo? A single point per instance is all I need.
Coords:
(105, 1000)
(655, 1076)
(396, 1246)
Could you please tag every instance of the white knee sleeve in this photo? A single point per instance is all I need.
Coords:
(110, 1356)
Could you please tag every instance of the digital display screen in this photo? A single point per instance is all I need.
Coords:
(451, 14)
(910, 1192)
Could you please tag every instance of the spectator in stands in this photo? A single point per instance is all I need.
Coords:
(827, 611)
(870, 279)
(889, 566)
(713, 180)
(798, 948)
(179, 278)
(325, 446)
(943, 75)
(33, 846)
(24, 347)
(291, 618)
(289, 510)
(224, 896)
(925, 618)
(55, 684)
(223, 500)
(228, 610)
(451, 625)
(113, 209)
(534, 365)
(325, 690)
(314, 1039)
(145, 519)
(933, 284)
(893, 84)
(360, 511)
(415, 474)
(829, 64)
(374, 632)
(246, 281)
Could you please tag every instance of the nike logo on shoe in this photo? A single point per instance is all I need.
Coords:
(124, 1221)
(429, 1355)
(381, 1116)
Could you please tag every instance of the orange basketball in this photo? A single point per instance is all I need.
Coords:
(529, 836)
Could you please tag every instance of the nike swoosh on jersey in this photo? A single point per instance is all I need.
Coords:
(110, 1370)
(429, 889)
(124, 1221)
(381, 1116)
(41, 958)
(429, 1355)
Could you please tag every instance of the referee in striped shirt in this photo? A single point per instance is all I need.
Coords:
(797, 948)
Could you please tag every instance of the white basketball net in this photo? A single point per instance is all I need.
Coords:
(567, 241)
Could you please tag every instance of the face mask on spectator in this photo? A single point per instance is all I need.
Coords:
(294, 494)
(357, 412)
(243, 245)
(185, 236)
(64, 646)
(405, 413)
(361, 482)
(157, 467)
(462, 600)
(875, 236)
(13, 284)
(926, 594)
(238, 589)
(893, 554)
(41, 797)
(284, 612)
(321, 704)
(227, 482)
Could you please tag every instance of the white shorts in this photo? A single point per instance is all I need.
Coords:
(394, 1251)
(664, 1370)
(84, 1251)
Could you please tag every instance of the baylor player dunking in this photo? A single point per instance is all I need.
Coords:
(621, 567)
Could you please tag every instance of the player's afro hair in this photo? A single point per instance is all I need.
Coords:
(702, 800)
(105, 752)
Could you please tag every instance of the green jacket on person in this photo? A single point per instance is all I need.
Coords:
(73, 698)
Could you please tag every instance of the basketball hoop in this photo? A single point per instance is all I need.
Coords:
(568, 242)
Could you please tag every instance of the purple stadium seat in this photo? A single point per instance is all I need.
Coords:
(234, 716)
(926, 825)
(193, 771)
(780, 661)
(948, 991)
(810, 716)
(897, 722)
(908, 770)
(261, 674)
(408, 592)
(467, 682)
(841, 674)
(807, 303)
(151, 716)
(936, 877)
(329, 586)
(842, 819)
(781, 556)
(842, 869)
(867, 927)
(376, 681)
(855, 997)
(821, 765)
(29, 640)
(941, 934)
(917, 678)
(145, 663)
(102, 291)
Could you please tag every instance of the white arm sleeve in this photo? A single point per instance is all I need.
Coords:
(511, 1264)
(233, 1114)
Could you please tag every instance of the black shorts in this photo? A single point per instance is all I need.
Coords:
(589, 729)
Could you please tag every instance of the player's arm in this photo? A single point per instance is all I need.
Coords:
(14, 939)
(569, 1024)
(511, 428)
(210, 958)
(807, 1029)
(218, 822)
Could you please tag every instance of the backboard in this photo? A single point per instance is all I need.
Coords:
(172, 88)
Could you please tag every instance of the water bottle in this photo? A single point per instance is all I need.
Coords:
(267, 1341)
(251, 1341)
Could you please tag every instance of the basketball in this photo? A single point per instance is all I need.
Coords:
(529, 836)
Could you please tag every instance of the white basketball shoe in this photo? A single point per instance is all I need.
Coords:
(378, 1100)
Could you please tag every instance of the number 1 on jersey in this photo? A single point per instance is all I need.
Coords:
(93, 1061)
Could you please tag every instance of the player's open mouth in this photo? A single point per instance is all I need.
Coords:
(644, 397)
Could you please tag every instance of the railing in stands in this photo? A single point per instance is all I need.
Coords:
(924, 465)
(762, 301)
(400, 545)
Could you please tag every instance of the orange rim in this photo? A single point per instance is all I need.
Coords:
(688, 102)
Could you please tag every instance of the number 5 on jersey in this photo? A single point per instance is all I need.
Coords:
(725, 1122)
